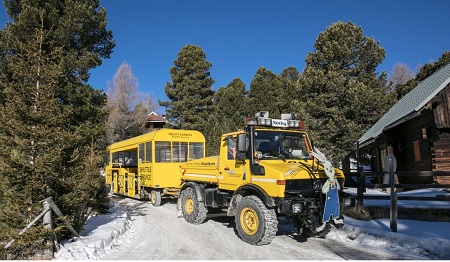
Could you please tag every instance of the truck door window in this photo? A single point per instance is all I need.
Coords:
(232, 148)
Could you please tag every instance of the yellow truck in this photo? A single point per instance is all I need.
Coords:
(266, 171)
(147, 166)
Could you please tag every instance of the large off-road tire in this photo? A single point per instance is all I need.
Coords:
(255, 223)
(155, 198)
(193, 210)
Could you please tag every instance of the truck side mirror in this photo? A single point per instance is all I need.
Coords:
(241, 149)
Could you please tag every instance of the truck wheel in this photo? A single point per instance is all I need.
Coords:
(255, 223)
(194, 211)
(155, 198)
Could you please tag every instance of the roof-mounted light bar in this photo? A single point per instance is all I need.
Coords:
(286, 121)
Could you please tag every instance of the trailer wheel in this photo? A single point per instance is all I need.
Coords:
(255, 223)
(194, 211)
(155, 198)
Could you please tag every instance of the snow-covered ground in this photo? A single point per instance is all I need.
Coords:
(105, 234)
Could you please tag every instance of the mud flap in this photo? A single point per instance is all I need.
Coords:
(179, 211)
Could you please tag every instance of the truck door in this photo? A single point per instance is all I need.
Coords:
(232, 172)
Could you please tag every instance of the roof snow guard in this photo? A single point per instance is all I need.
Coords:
(409, 105)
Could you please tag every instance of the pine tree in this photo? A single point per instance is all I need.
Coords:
(190, 92)
(51, 120)
(266, 93)
(342, 93)
(228, 114)
(289, 95)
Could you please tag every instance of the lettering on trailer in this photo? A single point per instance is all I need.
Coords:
(145, 172)
(279, 123)
(180, 135)
(143, 169)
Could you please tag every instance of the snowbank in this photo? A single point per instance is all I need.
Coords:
(99, 234)
(426, 240)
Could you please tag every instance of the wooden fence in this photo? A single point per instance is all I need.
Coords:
(362, 184)
(46, 216)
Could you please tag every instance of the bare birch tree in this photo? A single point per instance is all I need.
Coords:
(400, 75)
(127, 106)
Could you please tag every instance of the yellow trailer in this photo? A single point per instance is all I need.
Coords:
(147, 166)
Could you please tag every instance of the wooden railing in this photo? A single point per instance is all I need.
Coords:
(46, 215)
(362, 185)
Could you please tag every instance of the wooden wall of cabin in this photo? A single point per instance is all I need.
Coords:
(412, 146)
(421, 143)
(441, 108)
(441, 143)
(441, 155)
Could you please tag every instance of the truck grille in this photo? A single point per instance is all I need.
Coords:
(303, 186)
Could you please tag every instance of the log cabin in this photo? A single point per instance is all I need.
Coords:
(418, 129)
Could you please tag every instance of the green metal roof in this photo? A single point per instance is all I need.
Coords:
(409, 105)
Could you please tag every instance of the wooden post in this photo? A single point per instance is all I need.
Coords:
(47, 220)
(357, 156)
(360, 191)
(390, 165)
(59, 214)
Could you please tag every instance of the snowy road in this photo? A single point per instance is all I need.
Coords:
(158, 234)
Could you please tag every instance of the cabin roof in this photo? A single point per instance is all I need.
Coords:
(153, 117)
(409, 105)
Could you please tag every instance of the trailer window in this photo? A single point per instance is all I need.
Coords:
(179, 151)
(148, 152)
(141, 153)
(162, 152)
(107, 158)
(195, 151)
(125, 158)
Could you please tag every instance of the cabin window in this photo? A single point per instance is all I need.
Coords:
(416, 146)
(162, 152)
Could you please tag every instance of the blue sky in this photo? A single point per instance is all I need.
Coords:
(238, 36)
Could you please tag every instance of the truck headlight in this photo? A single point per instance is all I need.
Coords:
(258, 155)
(348, 201)
(296, 208)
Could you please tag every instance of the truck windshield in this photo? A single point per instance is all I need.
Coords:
(281, 145)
